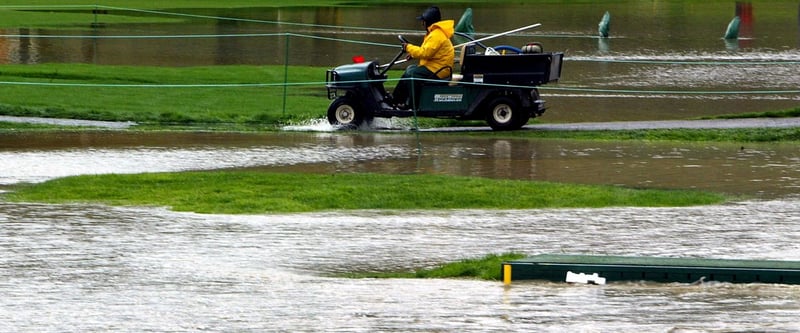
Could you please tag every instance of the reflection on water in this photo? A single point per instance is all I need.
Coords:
(36, 166)
(19, 50)
(94, 268)
(656, 27)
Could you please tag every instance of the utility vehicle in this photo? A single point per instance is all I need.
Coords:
(497, 85)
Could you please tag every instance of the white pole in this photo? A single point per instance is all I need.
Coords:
(498, 35)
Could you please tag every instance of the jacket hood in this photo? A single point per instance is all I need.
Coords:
(446, 26)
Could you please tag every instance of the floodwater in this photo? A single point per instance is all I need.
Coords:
(663, 60)
(89, 268)
(96, 268)
(93, 268)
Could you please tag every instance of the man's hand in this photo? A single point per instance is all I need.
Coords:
(404, 46)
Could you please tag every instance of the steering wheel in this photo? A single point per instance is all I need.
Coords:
(397, 57)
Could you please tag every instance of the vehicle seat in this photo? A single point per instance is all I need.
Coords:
(439, 81)
(456, 78)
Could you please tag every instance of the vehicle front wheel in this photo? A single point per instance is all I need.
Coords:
(346, 113)
(504, 114)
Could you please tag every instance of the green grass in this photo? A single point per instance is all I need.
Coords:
(485, 268)
(143, 93)
(689, 135)
(149, 4)
(250, 192)
(795, 112)
(78, 13)
(681, 134)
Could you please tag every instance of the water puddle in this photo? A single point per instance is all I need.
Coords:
(40, 165)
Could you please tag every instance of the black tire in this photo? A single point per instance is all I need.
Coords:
(346, 113)
(504, 114)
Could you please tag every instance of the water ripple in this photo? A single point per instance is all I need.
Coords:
(132, 269)
(38, 166)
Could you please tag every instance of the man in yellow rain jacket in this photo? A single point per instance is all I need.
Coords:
(436, 55)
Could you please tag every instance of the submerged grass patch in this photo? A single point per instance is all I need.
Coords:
(485, 268)
(251, 192)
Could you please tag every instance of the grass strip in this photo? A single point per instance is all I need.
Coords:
(795, 112)
(78, 13)
(163, 95)
(677, 134)
(252, 192)
(756, 134)
(485, 268)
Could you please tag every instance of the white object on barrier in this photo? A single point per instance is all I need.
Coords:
(585, 279)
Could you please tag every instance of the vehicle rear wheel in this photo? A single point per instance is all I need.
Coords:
(345, 112)
(504, 114)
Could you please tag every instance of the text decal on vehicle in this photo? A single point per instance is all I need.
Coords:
(448, 98)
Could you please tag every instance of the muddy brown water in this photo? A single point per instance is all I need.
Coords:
(757, 170)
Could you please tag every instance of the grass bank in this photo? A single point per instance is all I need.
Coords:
(755, 135)
(250, 192)
(485, 268)
(78, 13)
(164, 96)
(760, 135)
(795, 112)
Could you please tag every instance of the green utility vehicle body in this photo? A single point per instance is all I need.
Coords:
(500, 89)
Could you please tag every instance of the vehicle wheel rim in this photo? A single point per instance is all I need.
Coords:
(501, 113)
(345, 114)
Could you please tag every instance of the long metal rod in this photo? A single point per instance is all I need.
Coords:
(395, 62)
(500, 34)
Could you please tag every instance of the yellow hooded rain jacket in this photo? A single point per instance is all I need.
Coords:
(436, 51)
